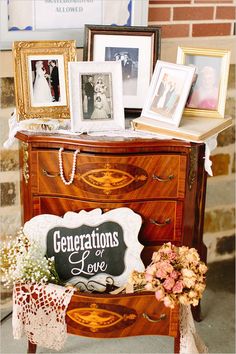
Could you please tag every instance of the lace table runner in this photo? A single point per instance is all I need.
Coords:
(190, 341)
(39, 313)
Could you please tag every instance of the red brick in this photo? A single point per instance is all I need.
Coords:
(224, 13)
(214, 1)
(193, 13)
(159, 14)
(159, 2)
(174, 31)
(213, 29)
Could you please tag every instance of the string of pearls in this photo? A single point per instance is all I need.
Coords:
(67, 183)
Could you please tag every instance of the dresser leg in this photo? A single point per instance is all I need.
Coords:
(177, 343)
(31, 348)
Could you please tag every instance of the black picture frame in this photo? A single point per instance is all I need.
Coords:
(143, 43)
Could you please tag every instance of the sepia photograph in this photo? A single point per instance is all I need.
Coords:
(168, 92)
(208, 92)
(96, 96)
(129, 64)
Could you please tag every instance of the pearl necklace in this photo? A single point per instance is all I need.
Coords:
(67, 183)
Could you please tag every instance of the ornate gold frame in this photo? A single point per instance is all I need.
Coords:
(182, 53)
(21, 51)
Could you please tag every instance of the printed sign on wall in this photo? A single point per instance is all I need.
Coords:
(90, 245)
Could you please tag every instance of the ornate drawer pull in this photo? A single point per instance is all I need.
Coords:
(160, 179)
(48, 174)
(166, 222)
(161, 318)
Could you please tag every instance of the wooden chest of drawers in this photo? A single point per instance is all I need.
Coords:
(162, 180)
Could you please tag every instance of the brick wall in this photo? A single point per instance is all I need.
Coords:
(193, 18)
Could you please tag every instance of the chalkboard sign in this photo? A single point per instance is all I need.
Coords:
(86, 251)
(90, 245)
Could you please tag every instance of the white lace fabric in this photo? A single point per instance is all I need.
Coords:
(39, 313)
(190, 341)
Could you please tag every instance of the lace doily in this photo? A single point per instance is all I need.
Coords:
(39, 313)
(190, 342)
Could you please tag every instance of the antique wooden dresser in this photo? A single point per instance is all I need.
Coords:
(162, 180)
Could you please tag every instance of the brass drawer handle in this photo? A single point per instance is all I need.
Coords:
(161, 318)
(48, 174)
(160, 179)
(166, 222)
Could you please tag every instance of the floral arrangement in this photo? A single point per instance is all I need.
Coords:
(176, 275)
(23, 260)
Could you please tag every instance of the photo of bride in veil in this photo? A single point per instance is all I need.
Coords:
(45, 82)
(41, 88)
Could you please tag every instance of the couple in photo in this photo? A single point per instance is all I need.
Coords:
(46, 85)
(96, 106)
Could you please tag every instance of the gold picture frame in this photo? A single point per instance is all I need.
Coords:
(41, 78)
(208, 93)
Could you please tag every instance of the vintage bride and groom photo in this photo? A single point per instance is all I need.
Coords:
(45, 80)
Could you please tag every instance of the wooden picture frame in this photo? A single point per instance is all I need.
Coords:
(42, 90)
(208, 94)
(138, 49)
(27, 20)
(168, 92)
(96, 101)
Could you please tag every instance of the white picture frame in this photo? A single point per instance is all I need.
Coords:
(168, 92)
(25, 20)
(96, 106)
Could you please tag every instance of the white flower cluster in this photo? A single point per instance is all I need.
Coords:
(23, 261)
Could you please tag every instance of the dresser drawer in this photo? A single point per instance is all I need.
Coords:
(126, 177)
(162, 220)
(108, 316)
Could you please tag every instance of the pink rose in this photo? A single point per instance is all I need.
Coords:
(168, 302)
(159, 294)
(169, 283)
(178, 287)
(174, 274)
(161, 273)
(148, 277)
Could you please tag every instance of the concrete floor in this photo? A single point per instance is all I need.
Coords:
(217, 328)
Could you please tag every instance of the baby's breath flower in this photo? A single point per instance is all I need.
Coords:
(23, 261)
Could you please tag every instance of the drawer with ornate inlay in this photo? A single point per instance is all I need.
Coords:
(120, 316)
(127, 177)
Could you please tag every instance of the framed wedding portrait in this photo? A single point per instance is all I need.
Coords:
(96, 101)
(168, 92)
(27, 20)
(208, 93)
(41, 78)
(136, 48)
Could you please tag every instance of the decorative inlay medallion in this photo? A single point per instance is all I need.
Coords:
(101, 317)
(111, 178)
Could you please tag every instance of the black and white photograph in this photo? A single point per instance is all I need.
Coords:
(97, 96)
(45, 80)
(136, 48)
(129, 64)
